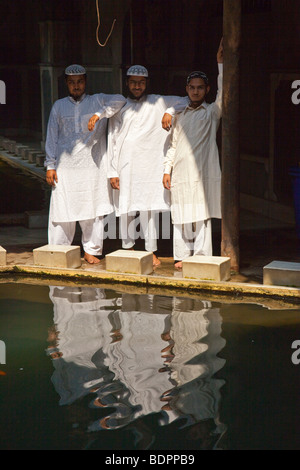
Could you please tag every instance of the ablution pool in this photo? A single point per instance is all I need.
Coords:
(91, 368)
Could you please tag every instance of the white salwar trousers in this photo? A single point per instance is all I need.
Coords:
(128, 229)
(192, 239)
(92, 234)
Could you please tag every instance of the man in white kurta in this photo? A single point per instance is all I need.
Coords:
(137, 144)
(192, 169)
(76, 161)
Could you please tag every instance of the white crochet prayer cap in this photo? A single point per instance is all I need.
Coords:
(75, 69)
(137, 71)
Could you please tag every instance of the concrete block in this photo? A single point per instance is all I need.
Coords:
(210, 268)
(32, 154)
(11, 146)
(18, 148)
(129, 261)
(57, 256)
(2, 256)
(6, 143)
(37, 219)
(40, 159)
(282, 273)
(25, 152)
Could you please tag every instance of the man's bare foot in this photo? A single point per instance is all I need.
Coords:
(156, 261)
(178, 265)
(91, 259)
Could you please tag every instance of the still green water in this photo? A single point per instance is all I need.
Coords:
(96, 369)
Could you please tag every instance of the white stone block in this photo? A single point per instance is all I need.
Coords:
(57, 256)
(210, 268)
(282, 273)
(2, 256)
(130, 262)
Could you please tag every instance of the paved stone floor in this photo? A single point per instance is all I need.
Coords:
(261, 241)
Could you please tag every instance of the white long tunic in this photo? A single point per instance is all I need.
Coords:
(137, 145)
(79, 157)
(193, 159)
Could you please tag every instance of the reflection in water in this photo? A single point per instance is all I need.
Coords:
(138, 357)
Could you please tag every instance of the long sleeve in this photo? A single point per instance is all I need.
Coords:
(109, 105)
(175, 104)
(217, 105)
(52, 140)
(169, 158)
(114, 125)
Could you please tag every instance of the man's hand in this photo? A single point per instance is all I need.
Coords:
(167, 121)
(115, 183)
(220, 53)
(92, 122)
(51, 177)
(167, 181)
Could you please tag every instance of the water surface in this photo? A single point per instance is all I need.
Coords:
(91, 368)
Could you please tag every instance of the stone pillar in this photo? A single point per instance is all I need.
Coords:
(231, 133)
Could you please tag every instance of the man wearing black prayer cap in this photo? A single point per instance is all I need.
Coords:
(192, 169)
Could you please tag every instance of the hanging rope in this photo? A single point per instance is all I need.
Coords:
(97, 32)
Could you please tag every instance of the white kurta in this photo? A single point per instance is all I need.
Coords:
(137, 145)
(193, 159)
(82, 318)
(79, 157)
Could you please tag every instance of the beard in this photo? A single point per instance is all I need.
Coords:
(131, 95)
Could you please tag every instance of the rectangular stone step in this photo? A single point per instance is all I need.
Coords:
(282, 273)
(57, 256)
(130, 262)
(210, 268)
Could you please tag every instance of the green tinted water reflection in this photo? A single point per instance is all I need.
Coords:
(172, 373)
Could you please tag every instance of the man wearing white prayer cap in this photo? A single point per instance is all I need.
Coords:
(136, 146)
(192, 172)
(76, 162)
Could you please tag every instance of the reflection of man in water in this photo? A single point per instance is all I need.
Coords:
(82, 329)
(196, 340)
(136, 360)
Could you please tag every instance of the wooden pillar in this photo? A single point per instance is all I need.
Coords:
(230, 133)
